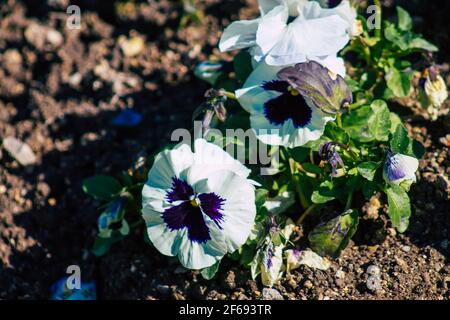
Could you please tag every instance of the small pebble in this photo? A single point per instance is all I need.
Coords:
(271, 294)
(308, 284)
(373, 270)
(406, 248)
(19, 151)
(373, 283)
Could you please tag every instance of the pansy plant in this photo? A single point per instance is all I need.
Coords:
(338, 143)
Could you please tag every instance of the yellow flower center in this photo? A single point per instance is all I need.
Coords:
(194, 203)
(293, 91)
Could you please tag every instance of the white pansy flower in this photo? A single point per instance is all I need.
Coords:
(400, 169)
(198, 205)
(290, 32)
(280, 115)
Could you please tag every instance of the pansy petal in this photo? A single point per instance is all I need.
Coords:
(238, 208)
(312, 34)
(239, 35)
(169, 164)
(197, 256)
(400, 167)
(271, 28)
(212, 158)
(167, 242)
(333, 63)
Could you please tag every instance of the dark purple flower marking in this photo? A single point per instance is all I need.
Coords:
(190, 212)
(180, 191)
(270, 255)
(289, 105)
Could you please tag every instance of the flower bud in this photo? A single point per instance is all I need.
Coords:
(400, 169)
(271, 264)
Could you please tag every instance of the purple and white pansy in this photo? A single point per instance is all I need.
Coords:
(279, 113)
(198, 205)
(291, 31)
(400, 169)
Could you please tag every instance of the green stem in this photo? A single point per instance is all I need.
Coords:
(296, 179)
(378, 18)
(228, 94)
(348, 204)
(136, 223)
(339, 120)
(306, 213)
(356, 105)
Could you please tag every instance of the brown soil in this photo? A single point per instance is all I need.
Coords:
(54, 97)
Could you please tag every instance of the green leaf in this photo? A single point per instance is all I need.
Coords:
(399, 81)
(331, 237)
(395, 121)
(399, 207)
(416, 149)
(239, 120)
(380, 122)
(420, 43)
(404, 19)
(299, 154)
(102, 245)
(403, 144)
(260, 197)
(210, 272)
(335, 133)
(101, 187)
(369, 189)
(242, 66)
(324, 193)
(356, 124)
(310, 167)
(368, 169)
(400, 140)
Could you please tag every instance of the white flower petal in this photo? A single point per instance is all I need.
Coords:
(196, 256)
(346, 11)
(168, 164)
(266, 5)
(333, 63)
(212, 158)
(314, 33)
(239, 35)
(239, 208)
(271, 28)
(167, 242)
